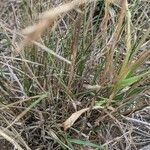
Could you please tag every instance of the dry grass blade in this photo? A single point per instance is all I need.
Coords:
(28, 109)
(55, 12)
(114, 40)
(47, 19)
(79, 67)
(52, 52)
(143, 39)
(14, 133)
(74, 48)
(128, 40)
(136, 121)
(106, 18)
(18, 102)
(16, 79)
(141, 59)
(56, 138)
(20, 59)
(11, 140)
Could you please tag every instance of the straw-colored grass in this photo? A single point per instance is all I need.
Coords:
(74, 73)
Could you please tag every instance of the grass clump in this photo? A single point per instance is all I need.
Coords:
(75, 77)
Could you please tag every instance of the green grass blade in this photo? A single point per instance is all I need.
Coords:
(85, 143)
(130, 81)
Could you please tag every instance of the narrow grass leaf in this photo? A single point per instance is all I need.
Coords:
(28, 109)
(142, 40)
(11, 140)
(56, 138)
(128, 40)
(52, 52)
(141, 59)
(85, 143)
(130, 81)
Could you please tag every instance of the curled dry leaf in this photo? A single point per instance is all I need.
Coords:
(71, 120)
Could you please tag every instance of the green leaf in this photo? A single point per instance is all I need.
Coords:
(86, 143)
(119, 96)
(101, 101)
(130, 81)
(135, 91)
